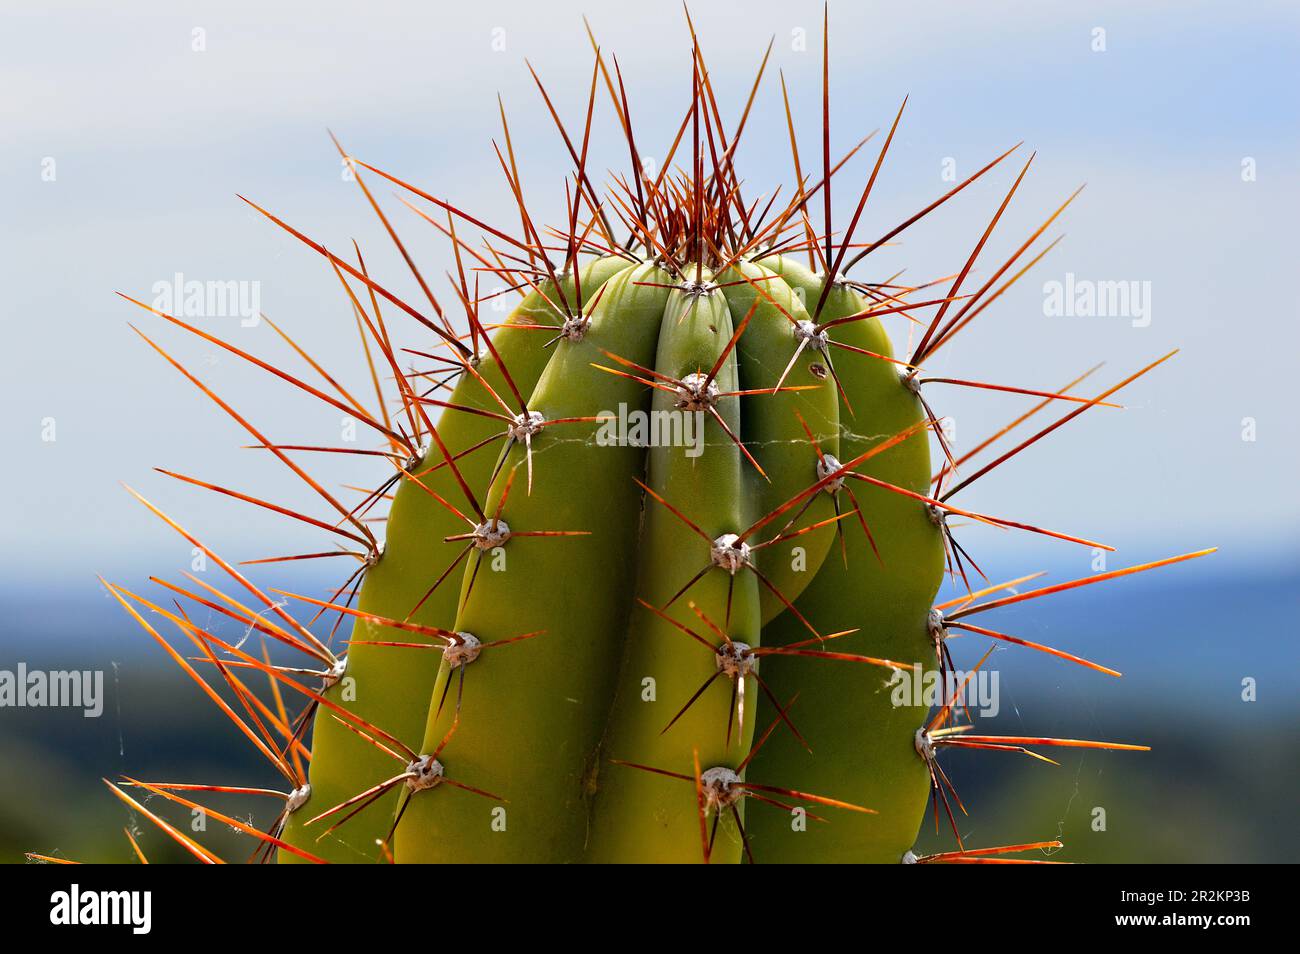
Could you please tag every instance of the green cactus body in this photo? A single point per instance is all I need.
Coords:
(640, 815)
(774, 423)
(532, 713)
(534, 739)
(862, 743)
(388, 687)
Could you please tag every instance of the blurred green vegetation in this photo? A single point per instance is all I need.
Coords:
(156, 726)
(1207, 792)
(1212, 789)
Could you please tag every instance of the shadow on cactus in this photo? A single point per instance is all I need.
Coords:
(659, 547)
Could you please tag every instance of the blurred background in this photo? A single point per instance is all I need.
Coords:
(129, 130)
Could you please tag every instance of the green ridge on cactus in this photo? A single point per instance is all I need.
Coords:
(865, 743)
(389, 687)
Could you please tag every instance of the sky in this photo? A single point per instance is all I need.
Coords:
(129, 132)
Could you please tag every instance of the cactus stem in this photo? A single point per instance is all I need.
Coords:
(361, 801)
(732, 553)
(422, 773)
(738, 660)
(722, 788)
(733, 659)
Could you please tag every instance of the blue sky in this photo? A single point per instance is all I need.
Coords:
(150, 141)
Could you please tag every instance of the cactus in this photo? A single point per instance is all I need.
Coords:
(659, 546)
